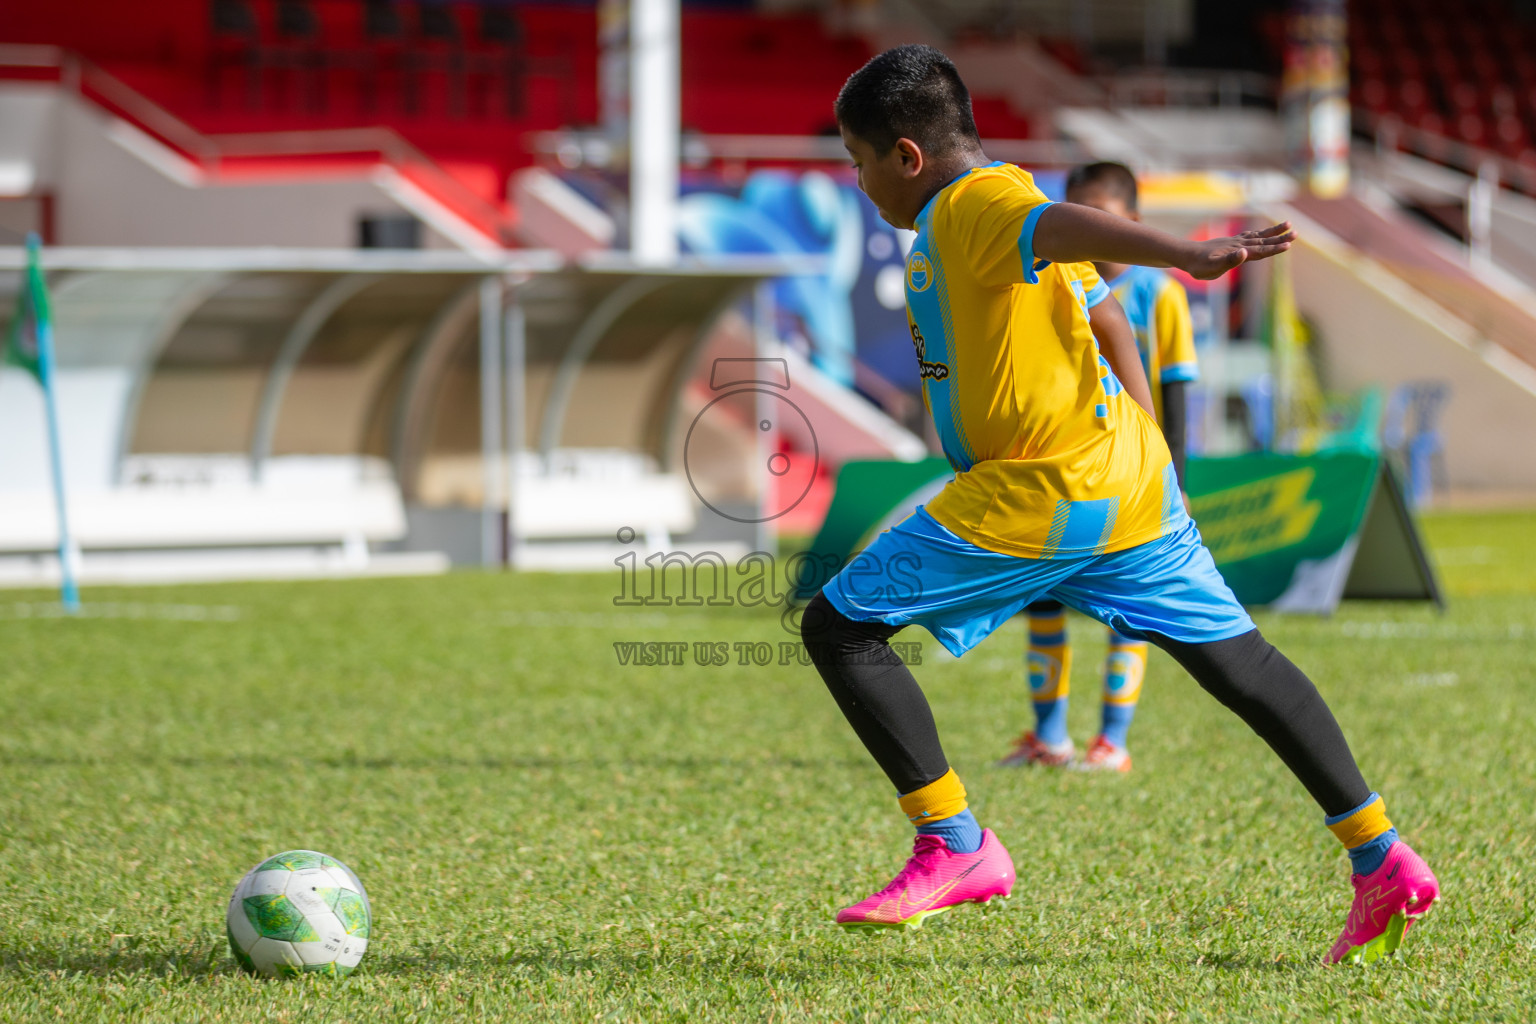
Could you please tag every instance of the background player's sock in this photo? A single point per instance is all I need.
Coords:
(1124, 669)
(1049, 662)
(939, 809)
(1366, 832)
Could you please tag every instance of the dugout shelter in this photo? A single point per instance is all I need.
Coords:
(360, 407)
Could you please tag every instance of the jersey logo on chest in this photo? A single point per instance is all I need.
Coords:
(919, 273)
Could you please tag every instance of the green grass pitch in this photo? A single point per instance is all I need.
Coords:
(545, 833)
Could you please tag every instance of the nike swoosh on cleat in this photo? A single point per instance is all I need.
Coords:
(1393, 873)
(933, 897)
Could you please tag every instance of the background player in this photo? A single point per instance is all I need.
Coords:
(1063, 488)
(1158, 311)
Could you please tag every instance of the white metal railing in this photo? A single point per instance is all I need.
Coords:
(573, 149)
(1391, 134)
(210, 153)
(1181, 87)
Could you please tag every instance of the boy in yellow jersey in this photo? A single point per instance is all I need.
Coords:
(1063, 489)
(1158, 311)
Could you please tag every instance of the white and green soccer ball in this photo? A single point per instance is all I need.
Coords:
(300, 912)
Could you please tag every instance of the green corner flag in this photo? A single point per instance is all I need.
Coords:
(29, 345)
(33, 319)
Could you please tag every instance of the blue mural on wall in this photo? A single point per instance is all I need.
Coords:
(852, 311)
(857, 309)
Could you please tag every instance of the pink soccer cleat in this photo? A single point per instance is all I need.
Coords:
(933, 881)
(1387, 902)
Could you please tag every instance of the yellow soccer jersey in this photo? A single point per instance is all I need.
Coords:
(1158, 309)
(1051, 456)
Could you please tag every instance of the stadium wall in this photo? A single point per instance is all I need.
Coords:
(1374, 328)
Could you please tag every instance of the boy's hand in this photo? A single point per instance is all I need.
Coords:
(1210, 259)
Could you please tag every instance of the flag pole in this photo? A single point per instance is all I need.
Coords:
(69, 555)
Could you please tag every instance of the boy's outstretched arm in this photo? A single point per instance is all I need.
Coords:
(1117, 343)
(1068, 233)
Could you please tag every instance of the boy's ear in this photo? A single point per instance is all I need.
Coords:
(910, 155)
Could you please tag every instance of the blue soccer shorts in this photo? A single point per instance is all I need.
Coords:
(919, 571)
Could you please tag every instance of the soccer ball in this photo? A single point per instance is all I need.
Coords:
(300, 912)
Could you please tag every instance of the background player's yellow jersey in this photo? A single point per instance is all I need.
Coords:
(1158, 309)
(1051, 456)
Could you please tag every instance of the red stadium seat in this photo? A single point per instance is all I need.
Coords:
(1485, 66)
(1471, 128)
(1444, 61)
(1510, 129)
(1432, 32)
(1374, 95)
(1501, 101)
(1510, 137)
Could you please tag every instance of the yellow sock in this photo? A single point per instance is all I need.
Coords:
(1050, 675)
(1365, 823)
(1125, 669)
(942, 798)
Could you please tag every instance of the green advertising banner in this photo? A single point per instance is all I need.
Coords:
(1301, 532)
(1291, 532)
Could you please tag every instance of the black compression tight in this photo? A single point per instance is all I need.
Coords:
(876, 692)
(1266, 690)
(887, 709)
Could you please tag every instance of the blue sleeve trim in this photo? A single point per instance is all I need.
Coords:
(1180, 373)
(1099, 294)
(1032, 264)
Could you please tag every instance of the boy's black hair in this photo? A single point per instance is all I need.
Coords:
(909, 92)
(1116, 179)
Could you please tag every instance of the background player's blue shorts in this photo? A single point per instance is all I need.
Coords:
(919, 571)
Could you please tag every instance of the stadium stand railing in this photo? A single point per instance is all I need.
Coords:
(1391, 133)
(248, 155)
(573, 149)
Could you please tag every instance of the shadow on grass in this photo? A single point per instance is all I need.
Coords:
(802, 965)
(1240, 963)
(268, 762)
(206, 962)
(130, 958)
